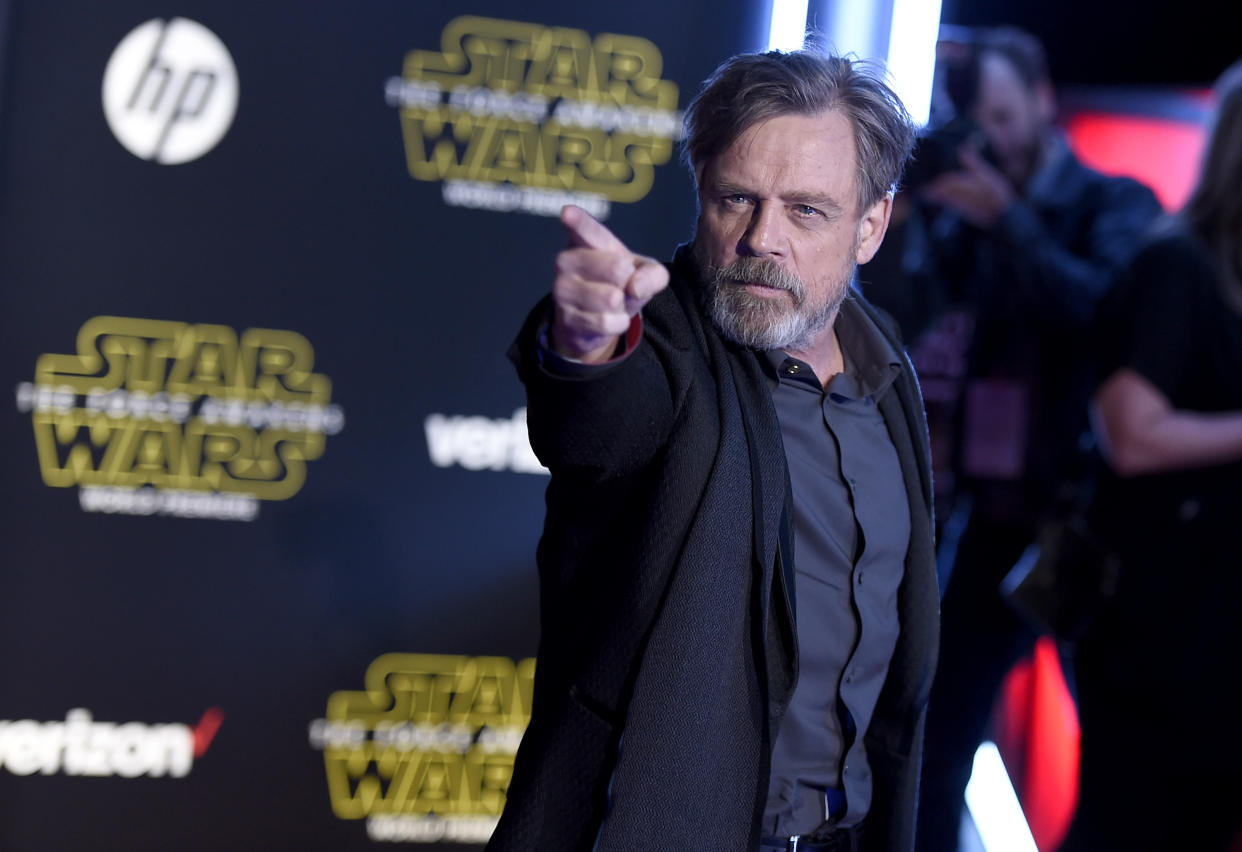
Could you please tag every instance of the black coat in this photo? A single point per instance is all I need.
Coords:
(664, 608)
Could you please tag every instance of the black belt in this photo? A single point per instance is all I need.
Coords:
(836, 839)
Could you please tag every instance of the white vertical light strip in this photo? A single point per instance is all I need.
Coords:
(912, 54)
(852, 27)
(787, 29)
(994, 806)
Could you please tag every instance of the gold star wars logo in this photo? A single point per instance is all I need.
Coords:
(518, 116)
(425, 752)
(154, 417)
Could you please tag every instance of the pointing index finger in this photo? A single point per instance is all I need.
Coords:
(586, 232)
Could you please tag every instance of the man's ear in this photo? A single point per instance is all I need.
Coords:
(871, 228)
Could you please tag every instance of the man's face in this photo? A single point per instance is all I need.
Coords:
(779, 230)
(1013, 116)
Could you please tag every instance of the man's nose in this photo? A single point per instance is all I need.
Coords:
(765, 235)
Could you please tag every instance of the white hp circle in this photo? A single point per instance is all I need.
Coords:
(170, 91)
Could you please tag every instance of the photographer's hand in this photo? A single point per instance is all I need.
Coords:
(978, 193)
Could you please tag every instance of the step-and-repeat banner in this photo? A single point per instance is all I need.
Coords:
(269, 509)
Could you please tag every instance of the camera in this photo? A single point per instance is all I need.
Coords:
(954, 92)
(936, 152)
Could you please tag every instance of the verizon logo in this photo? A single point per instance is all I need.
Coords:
(481, 443)
(81, 746)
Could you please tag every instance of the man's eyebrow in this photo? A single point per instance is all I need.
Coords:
(724, 187)
(823, 202)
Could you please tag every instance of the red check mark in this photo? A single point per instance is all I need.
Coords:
(205, 730)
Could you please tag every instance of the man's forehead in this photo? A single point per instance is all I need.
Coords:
(998, 75)
(814, 153)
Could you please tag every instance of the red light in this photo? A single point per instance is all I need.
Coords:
(1162, 154)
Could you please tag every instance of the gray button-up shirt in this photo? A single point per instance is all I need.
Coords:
(851, 532)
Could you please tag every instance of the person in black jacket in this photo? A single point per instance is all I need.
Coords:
(1164, 650)
(700, 686)
(1025, 240)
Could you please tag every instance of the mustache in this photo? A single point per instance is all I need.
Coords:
(752, 270)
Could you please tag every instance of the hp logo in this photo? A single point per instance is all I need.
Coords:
(170, 91)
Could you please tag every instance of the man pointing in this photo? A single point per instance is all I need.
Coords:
(737, 584)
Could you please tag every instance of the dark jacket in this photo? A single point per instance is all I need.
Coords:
(668, 650)
(1032, 284)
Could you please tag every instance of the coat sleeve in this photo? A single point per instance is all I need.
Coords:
(600, 422)
(1058, 277)
(1067, 283)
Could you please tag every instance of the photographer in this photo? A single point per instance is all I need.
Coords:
(1024, 239)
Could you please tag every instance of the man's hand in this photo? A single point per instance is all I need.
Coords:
(978, 193)
(600, 285)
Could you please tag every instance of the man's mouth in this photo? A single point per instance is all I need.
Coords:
(761, 287)
(762, 280)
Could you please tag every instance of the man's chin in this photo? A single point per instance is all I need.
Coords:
(752, 325)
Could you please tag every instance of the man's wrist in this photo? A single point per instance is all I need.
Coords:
(559, 363)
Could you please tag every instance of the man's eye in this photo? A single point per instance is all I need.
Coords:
(805, 210)
(736, 198)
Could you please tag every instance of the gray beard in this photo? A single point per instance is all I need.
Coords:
(760, 322)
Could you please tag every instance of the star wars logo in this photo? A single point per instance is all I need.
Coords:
(425, 752)
(155, 417)
(518, 116)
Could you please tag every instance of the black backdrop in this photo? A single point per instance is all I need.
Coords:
(295, 268)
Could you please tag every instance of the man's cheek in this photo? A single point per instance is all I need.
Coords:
(711, 248)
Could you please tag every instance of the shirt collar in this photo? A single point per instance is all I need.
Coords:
(871, 362)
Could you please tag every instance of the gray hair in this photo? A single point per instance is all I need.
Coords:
(1214, 210)
(754, 87)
